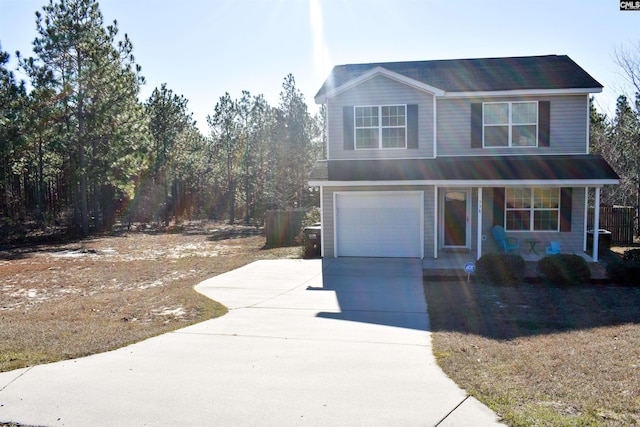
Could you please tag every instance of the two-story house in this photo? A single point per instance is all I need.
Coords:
(425, 157)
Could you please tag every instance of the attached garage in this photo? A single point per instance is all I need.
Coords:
(379, 224)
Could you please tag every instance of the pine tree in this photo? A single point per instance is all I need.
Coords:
(297, 146)
(96, 82)
(13, 103)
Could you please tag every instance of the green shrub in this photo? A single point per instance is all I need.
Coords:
(624, 273)
(498, 268)
(565, 269)
(632, 255)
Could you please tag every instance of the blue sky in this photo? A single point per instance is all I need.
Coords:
(204, 48)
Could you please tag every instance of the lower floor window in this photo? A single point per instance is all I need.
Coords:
(532, 209)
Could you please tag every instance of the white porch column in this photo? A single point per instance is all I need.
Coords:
(586, 217)
(435, 221)
(596, 225)
(479, 223)
(322, 233)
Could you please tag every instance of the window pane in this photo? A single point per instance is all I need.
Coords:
(518, 220)
(524, 136)
(367, 138)
(393, 115)
(524, 112)
(496, 136)
(393, 138)
(366, 116)
(518, 198)
(545, 220)
(496, 114)
(546, 198)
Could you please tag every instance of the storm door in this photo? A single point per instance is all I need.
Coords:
(456, 221)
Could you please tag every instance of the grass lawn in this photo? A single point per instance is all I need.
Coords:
(62, 301)
(541, 355)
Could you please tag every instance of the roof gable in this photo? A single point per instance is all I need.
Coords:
(380, 71)
(551, 72)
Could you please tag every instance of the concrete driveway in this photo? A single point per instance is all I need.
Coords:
(306, 342)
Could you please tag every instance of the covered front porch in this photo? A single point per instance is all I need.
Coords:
(466, 214)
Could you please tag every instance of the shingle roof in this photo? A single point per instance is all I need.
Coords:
(490, 168)
(474, 75)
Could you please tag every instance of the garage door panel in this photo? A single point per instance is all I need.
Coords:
(379, 224)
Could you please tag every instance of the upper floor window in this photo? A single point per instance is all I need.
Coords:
(382, 126)
(510, 124)
(532, 209)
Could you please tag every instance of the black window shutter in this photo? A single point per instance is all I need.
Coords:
(544, 120)
(347, 121)
(476, 125)
(498, 206)
(412, 126)
(565, 209)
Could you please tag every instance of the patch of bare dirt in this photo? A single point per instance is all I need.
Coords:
(76, 298)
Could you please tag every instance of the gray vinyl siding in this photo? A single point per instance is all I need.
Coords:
(328, 219)
(571, 242)
(568, 126)
(380, 91)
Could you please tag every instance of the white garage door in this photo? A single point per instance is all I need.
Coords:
(379, 224)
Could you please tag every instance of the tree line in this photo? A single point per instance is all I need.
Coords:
(617, 138)
(79, 151)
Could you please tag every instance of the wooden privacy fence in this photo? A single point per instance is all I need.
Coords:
(620, 221)
(282, 227)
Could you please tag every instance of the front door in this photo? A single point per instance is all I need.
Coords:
(456, 209)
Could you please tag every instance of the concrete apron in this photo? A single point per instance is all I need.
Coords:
(306, 342)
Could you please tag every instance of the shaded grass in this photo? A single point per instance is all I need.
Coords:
(64, 302)
(540, 355)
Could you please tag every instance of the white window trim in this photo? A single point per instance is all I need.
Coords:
(510, 124)
(379, 127)
(532, 210)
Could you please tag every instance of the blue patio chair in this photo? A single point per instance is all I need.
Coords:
(506, 243)
(554, 248)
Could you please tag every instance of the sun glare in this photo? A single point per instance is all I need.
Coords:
(322, 61)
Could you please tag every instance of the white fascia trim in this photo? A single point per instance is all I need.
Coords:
(383, 158)
(379, 71)
(522, 92)
(511, 154)
(463, 183)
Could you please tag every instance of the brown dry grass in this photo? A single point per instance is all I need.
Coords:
(73, 299)
(542, 356)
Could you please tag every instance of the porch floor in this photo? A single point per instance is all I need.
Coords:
(451, 264)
